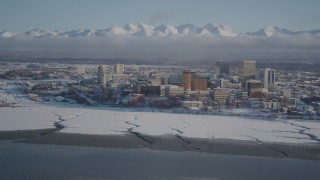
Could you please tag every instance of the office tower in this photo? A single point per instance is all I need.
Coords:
(249, 69)
(254, 88)
(174, 78)
(215, 70)
(222, 68)
(81, 69)
(103, 80)
(224, 83)
(187, 79)
(118, 68)
(199, 83)
(108, 77)
(101, 75)
(269, 77)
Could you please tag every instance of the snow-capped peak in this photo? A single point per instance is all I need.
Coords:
(115, 30)
(226, 31)
(144, 30)
(166, 30)
(131, 28)
(210, 29)
(141, 29)
(273, 30)
(39, 32)
(188, 29)
(221, 30)
(7, 34)
(79, 32)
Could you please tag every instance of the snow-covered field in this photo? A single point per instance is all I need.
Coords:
(195, 126)
(89, 120)
(25, 118)
(114, 122)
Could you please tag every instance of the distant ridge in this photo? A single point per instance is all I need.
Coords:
(164, 30)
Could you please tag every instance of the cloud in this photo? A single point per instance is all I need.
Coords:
(180, 48)
(159, 16)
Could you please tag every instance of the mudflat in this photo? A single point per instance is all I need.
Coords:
(168, 143)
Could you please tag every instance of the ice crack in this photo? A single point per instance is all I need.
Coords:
(59, 124)
(303, 131)
(265, 146)
(131, 131)
(187, 142)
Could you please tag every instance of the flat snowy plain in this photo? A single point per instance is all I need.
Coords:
(29, 115)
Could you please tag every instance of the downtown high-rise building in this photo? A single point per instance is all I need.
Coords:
(187, 79)
(269, 78)
(101, 75)
(118, 68)
(194, 82)
(224, 68)
(249, 69)
(199, 83)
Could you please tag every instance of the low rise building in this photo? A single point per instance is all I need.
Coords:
(172, 90)
(221, 95)
(148, 90)
(271, 105)
(192, 104)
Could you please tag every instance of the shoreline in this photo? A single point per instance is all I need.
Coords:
(307, 151)
(25, 134)
(254, 115)
(233, 112)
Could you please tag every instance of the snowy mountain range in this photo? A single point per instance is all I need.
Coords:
(164, 30)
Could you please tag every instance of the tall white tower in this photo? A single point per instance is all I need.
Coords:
(118, 68)
(101, 75)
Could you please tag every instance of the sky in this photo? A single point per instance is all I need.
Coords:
(241, 15)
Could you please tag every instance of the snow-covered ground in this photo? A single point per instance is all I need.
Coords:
(107, 121)
(25, 118)
(193, 126)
